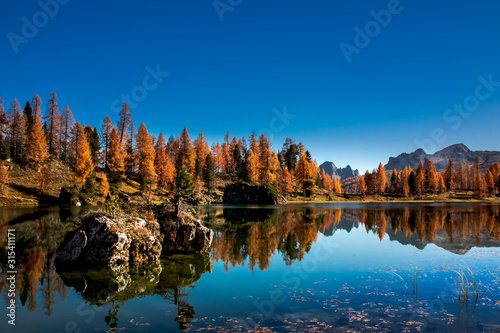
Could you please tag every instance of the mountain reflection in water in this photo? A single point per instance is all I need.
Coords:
(245, 236)
(259, 233)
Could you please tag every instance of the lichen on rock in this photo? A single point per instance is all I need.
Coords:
(103, 241)
(185, 234)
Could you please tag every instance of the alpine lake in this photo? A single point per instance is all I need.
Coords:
(291, 268)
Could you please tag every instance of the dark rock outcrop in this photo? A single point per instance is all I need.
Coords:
(185, 234)
(458, 152)
(342, 173)
(102, 241)
(240, 193)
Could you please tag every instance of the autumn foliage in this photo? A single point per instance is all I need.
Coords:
(118, 151)
(426, 179)
(83, 162)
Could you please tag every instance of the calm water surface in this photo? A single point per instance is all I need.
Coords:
(305, 268)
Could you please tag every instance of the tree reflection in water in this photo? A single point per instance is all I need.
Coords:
(170, 278)
(243, 237)
(38, 234)
(291, 230)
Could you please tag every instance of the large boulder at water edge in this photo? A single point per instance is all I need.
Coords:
(241, 193)
(102, 241)
(185, 234)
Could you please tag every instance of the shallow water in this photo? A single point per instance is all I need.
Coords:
(309, 268)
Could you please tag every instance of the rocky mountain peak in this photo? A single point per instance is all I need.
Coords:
(334, 171)
(458, 152)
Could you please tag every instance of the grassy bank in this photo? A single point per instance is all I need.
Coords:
(23, 189)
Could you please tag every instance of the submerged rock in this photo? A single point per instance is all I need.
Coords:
(240, 193)
(102, 241)
(185, 234)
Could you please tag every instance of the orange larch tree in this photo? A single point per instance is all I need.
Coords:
(285, 181)
(253, 166)
(441, 184)
(268, 161)
(381, 179)
(405, 184)
(115, 152)
(274, 168)
(217, 158)
(227, 159)
(146, 158)
(201, 148)
(420, 173)
(362, 188)
(83, 162)
(450, 175)
(489, 182)
(161, 158)
(495, 170)
(337, 185)
(327, 181)
(315, 169)
(321, 181)
(104, 186)
(479, 185)
(254, 145)
(369, 179)
(303, 172)
(431, 176)
(173, 147)
(36, 146)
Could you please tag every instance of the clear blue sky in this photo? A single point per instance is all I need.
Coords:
(231, 74)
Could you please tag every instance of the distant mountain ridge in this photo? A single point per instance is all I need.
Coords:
(459, 153)
(342, 173)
